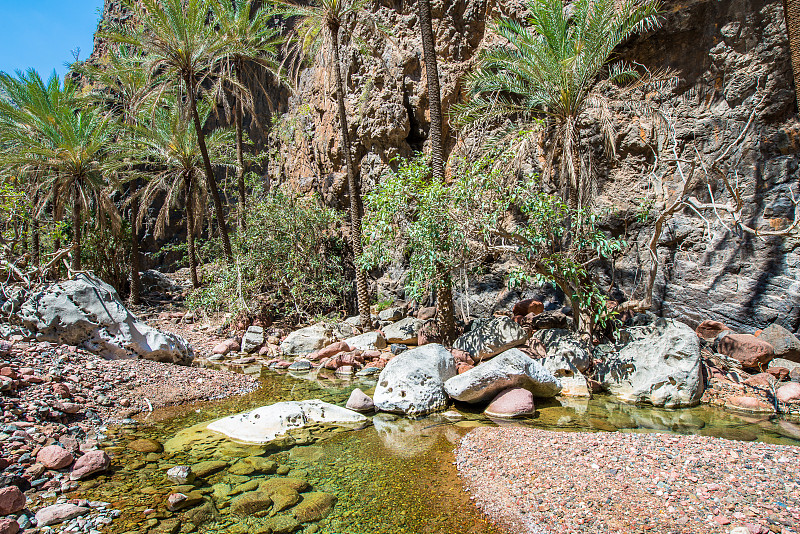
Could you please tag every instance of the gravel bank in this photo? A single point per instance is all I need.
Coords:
(543, 482)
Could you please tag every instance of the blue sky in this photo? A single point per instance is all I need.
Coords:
(43, 33)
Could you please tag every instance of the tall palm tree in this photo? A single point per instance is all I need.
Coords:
(44, 129)
(169, 147)
(252, 42)
(555, 68)
(179, 44)
(444, 293)
(123, 87)
(320, 22)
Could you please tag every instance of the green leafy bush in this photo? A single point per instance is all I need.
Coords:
(288, 262)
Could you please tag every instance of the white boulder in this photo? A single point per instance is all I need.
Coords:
(405, 331)
(307, 340)
(368, 341)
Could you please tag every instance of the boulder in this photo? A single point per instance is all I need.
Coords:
(709, 330)
(657, 364)
(789, 392)
(426, 313)
(226, 346)
(544, 320)
(749, 404)
(413, 382)
(90, 463)
(491, 338)
(12, 500)
(268, 422)
(785, 344)
(253, 339)
(785, 364)
(8, 525)
(87, 312)
(573, 382)
(368, 341)
(510, 403)
(404, 331)
(391, 314)
(510, 369)
(360, 401)
(525, 307)
(307, 340)
(54, 457)
(331, 350)
(567, 344)
(58, 513)
(751, 351)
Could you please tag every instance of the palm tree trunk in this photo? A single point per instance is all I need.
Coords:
(188, 196)
(354, 185)
(444, 295)
(212, 182)
(240, 164)
(791, 11)
(136, 282)
(76, 227)
(35, 239)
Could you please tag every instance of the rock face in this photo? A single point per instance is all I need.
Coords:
(510, 369)
(493, 337)
(566, 344)
(657, 364)
(307, 340)
(268, 422)
(413, 382)
(87, 312)
(404, 331)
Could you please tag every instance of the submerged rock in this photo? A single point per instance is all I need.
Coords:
(87, 312)
(512, 368)
(657, 364)
(413, 382)
(268, 422)
(314, 507)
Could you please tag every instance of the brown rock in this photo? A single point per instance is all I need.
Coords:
(90, 463)
(226, 346)
(749, 404)
(525, 307)
(464, 367)
(752, 352)
(332, 350)
(145, 445)
(426, 313)
(8, 526)
(780, 373)
(761, 380)
(462, 356)
(709, 329)
(11, 500)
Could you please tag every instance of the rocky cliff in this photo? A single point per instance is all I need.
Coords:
(733, 68)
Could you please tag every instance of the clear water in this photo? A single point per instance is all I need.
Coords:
(393, 477)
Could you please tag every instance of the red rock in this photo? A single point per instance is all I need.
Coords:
(462, 356)
(54, 457)
(761, 380)
(226, 346)
(372, 354)
(749, 404)
(281, 364)
(789, 392)
(8, 371)
(176, 501)
(90, 463)
(748, 349)
(722, 520)
(11, 500)
(8, 526)
(709, 329)
(524, 307)
(360, 401)
(780, 373)
(512, 402)
(61, 390)
(346, 370)
(464, 367)
(330, 351)
(426, 313)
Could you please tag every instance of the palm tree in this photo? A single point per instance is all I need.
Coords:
(169, 147)
(125, 88)
(179, 44)
(555, 68)
(444, 293)
(319, 22)
(251, 42)
(44, 130)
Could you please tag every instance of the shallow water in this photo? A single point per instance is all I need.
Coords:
(393, 477)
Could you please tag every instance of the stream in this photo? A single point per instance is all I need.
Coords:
(395, 476)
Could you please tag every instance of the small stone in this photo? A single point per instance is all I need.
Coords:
(58, 513)
(145, 446)
(90, 463)
(54, 457)
(360, 401)
(12, 500)
(181, 474)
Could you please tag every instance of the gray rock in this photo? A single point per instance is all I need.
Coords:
(301, 365)
(153, 280)
(657, 364)
(404, 331)
(253, 339)
(180, 474)
(512, 368)
(368, 341)
(307, 340)
(573, 382)
(391, 314)
(566, 344)
(786, 344)
(413, 382)
(86, 311)
(491, 338)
